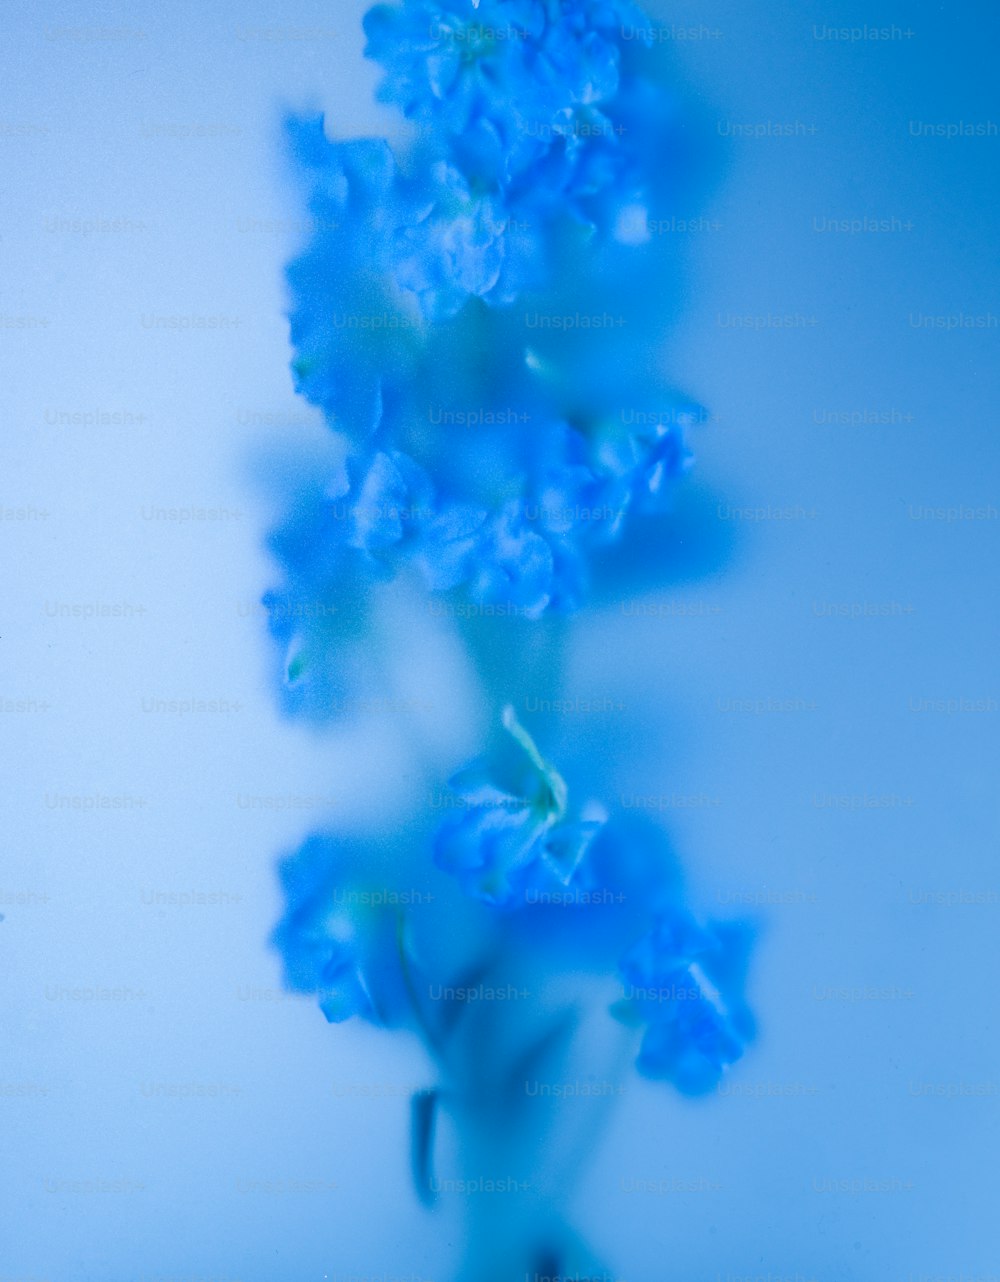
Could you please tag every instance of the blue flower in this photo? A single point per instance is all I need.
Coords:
(516, 566)
(333, 943)
(517, 104)
(512, 835)
(397, 515)
(683, 980)
(511, 520)
(354, 329)
(381, 513)
(316, 614)
(510, 67)
(456, 246)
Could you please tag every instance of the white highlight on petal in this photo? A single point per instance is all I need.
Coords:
(631, 227)
(712, 994)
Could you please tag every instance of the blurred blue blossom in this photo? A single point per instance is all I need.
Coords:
(339, 940)
(447, 518)
(514, 63)
(353, 328)
(683, 980)
(519, 97)
(514, 835)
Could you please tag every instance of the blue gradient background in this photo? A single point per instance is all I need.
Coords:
(295, 1168)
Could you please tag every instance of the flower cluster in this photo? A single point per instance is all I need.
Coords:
(528, 135)
(511, 845)
(457, 313)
